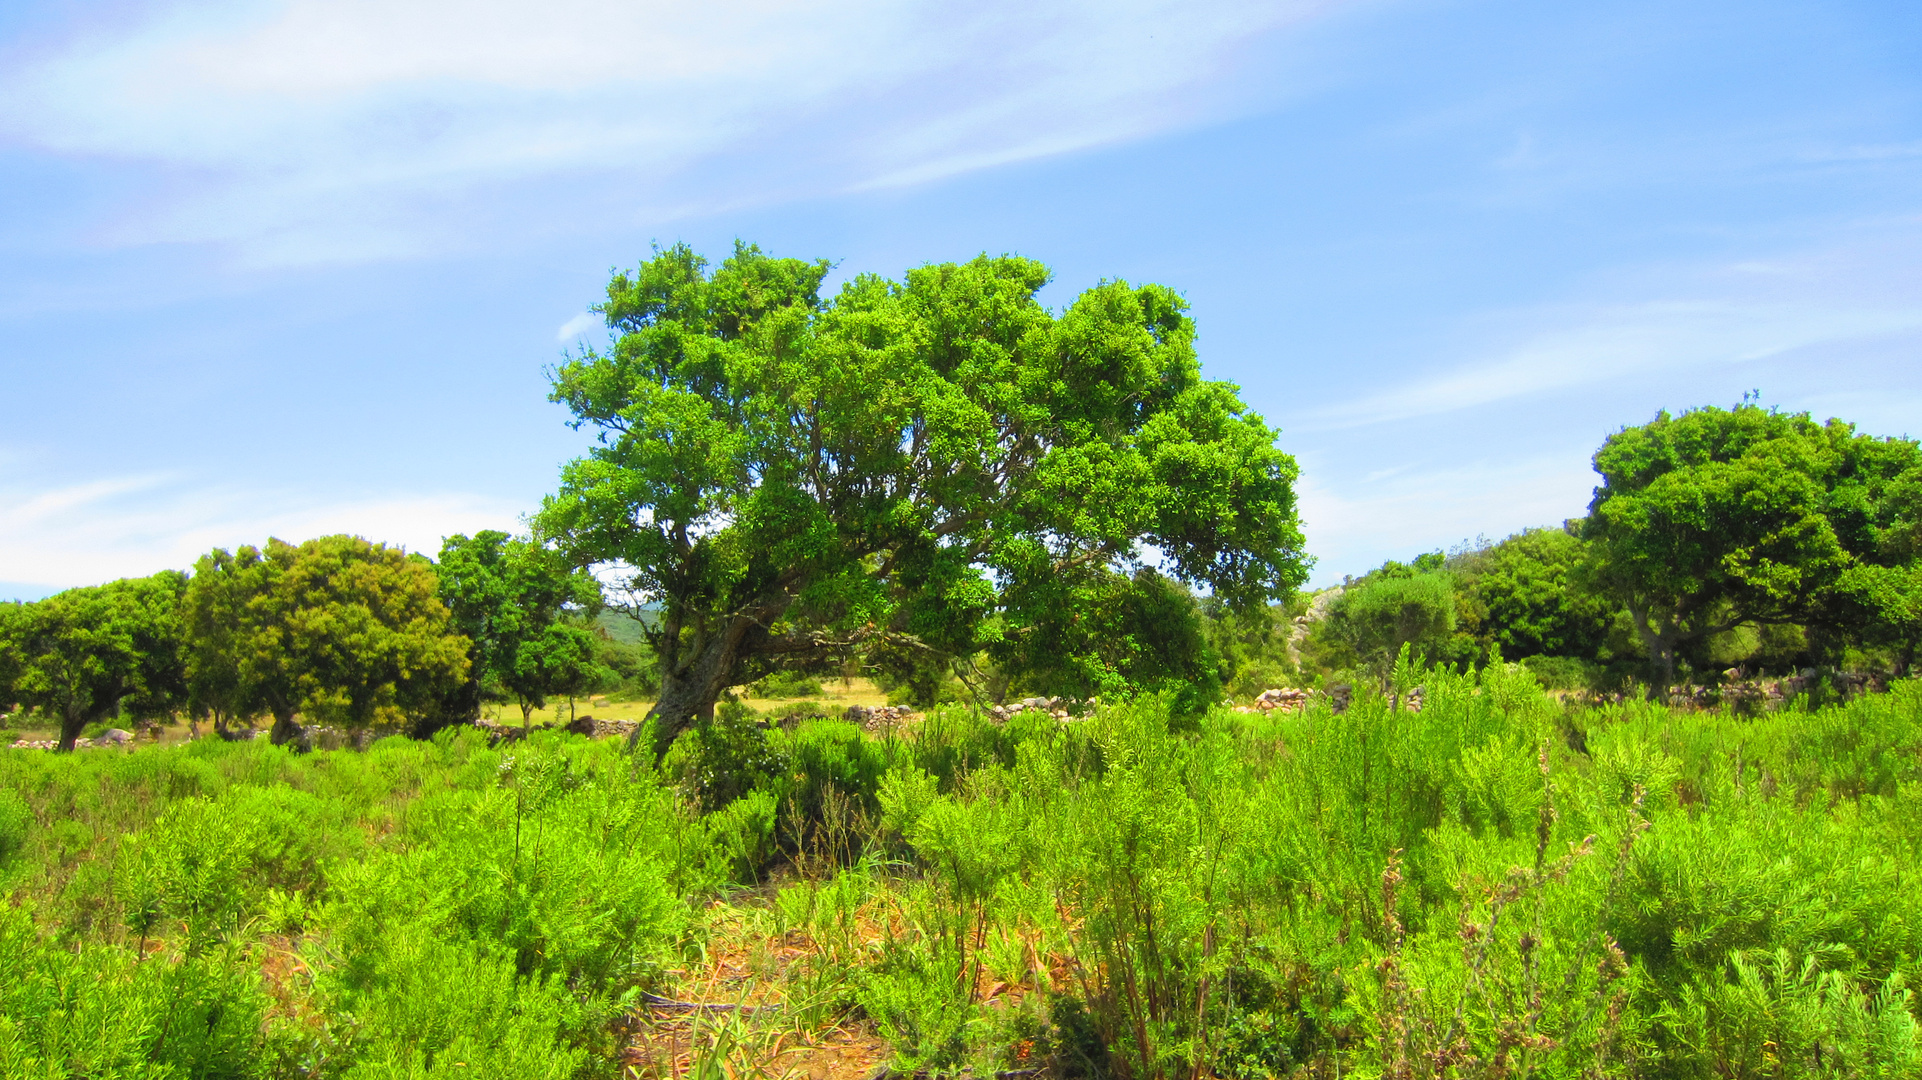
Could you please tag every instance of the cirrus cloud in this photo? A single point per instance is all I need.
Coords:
(313, 130)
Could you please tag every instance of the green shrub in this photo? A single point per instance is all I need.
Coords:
(723, 759)
(787, 684)
(914, 996)
(1562, 672)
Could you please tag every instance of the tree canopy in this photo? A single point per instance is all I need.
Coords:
(1527, 596)
(84, 654)
(337, 629)
(1719, 518)
(1397, 606)
(787, 475)
(512, 598)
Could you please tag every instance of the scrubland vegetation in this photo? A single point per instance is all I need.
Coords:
(1455, 891)
(1631, 797)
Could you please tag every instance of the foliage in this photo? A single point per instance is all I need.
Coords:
(83, 654)
(788, 684)
(936, 458)
(337, 629)
(1528, 596)
(1491, 886)
(1107, 634)
(1398, 606)
(628, 666)
(512, 600)
(1878, 516)
(260, 927)
(1251, 646)
(1714, 519)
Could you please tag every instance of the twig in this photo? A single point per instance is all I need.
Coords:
(657, 1002)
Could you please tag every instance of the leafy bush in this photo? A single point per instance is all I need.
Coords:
(1562, 672)
(721, 760)
(1373, 620)
(787, 684)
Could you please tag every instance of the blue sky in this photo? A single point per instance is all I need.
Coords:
(288, 267)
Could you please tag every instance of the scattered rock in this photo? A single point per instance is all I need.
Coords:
(1059, 708)
(877, 718)
(1339, 695)
(619, 728)
(581, 725)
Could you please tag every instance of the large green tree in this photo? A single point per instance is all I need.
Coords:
(84, 654)
(784, 476)
(1719, 518)
(520, 606)
(337, 629)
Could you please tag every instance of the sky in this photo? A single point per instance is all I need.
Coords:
(293, 267)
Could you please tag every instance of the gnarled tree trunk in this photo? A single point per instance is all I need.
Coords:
(74, 720)
(286, 727)
(691, 686)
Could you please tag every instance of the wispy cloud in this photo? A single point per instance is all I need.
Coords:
(1619, 343)
(313, 129)
(1355, 526)
(1856, 290)
(578, 327)
(115, 527)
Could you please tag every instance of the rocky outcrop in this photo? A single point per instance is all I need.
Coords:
(1285, 698)
(1318, 608)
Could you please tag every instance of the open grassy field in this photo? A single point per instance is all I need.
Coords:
(1494, 886)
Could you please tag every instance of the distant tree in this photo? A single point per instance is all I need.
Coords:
(1529, 596)
(84, 654)
(339, 630)
(520, 606)
(1718, 518)
(1099, 632)
(1399, 605)
(789, 477)
(218, 630)
(1253, 648)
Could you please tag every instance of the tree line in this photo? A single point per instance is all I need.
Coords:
(338, 631)
(1742, 539)
(943, 482)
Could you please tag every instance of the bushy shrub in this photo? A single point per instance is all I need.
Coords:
(787, 684)
(1563, 672)
(723, 759)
